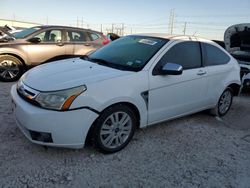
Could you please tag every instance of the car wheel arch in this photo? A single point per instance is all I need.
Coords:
(235, 88)
(16, 56)
(132, 106)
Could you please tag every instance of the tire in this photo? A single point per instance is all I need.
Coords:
(224, 103)
(110, 135)
(11, 68)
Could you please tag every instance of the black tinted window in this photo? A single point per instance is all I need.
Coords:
(186, 54)
(213, 55)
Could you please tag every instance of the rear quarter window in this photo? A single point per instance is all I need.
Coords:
(213, 55)
(94, 36)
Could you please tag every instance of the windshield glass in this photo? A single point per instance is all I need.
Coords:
(24, 33)
(129, 53)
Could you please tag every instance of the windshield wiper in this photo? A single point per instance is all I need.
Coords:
(100, 61)
(106, 63)
(96, 60)
(85, 57)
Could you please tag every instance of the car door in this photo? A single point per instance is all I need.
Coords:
(79, 42)
(217, 68)
(175, 95)
(51, 46)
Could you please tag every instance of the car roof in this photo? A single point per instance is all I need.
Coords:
(65, 27)
(165, 36)
(175, 37)
(179, 37)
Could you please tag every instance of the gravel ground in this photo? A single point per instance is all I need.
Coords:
(194, 151)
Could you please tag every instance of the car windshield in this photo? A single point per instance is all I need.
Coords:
(24, 33)
(128, 53)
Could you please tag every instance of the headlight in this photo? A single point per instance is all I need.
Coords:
(59, 100)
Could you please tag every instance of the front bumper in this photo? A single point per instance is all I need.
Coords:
(67, 129)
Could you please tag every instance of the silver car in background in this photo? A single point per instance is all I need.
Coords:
(42, 44)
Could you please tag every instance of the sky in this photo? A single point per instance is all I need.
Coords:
(205, 18)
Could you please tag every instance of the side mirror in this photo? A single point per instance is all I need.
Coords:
(35, 40)
(171, 69)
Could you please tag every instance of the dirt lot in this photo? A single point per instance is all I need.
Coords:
(194, 151)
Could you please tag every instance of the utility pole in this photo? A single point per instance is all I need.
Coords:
(171, 21)
(101, 28)
(112, 28)
(185, 28)
(122, 29)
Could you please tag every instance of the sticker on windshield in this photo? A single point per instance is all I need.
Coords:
(129, 63)
(138, 61)
(147, 41)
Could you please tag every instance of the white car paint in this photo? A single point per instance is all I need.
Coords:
(168, 96)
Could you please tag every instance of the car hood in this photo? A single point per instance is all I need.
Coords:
(8, 42)
(237, 41)
(237, 37)
(68, 73)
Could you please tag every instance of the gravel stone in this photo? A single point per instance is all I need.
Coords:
(194, 151)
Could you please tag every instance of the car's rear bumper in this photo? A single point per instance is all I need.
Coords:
(52, 128)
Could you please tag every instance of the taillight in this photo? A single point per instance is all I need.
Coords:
(106, 40)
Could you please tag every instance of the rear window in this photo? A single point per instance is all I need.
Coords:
(213, 55)
(94, 36)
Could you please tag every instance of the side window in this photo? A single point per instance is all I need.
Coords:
(50, 36)
(213, 55)
(76, 36)
(41, 36)
(94, 36)
(186, 54)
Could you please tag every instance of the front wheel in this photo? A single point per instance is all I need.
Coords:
(114, 129)
(11, 68)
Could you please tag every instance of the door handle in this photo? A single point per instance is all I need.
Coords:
(201, 72)
(59, 44)
(86, 44)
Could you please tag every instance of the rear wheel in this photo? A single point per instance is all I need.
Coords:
(224, 103)
(114, 128)
(11, 68)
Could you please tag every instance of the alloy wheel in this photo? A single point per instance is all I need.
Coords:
(225, 102)
(116, 130)
(9, 69)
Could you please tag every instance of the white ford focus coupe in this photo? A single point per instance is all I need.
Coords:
(135, 81)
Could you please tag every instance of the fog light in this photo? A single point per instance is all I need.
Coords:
(41, 136)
